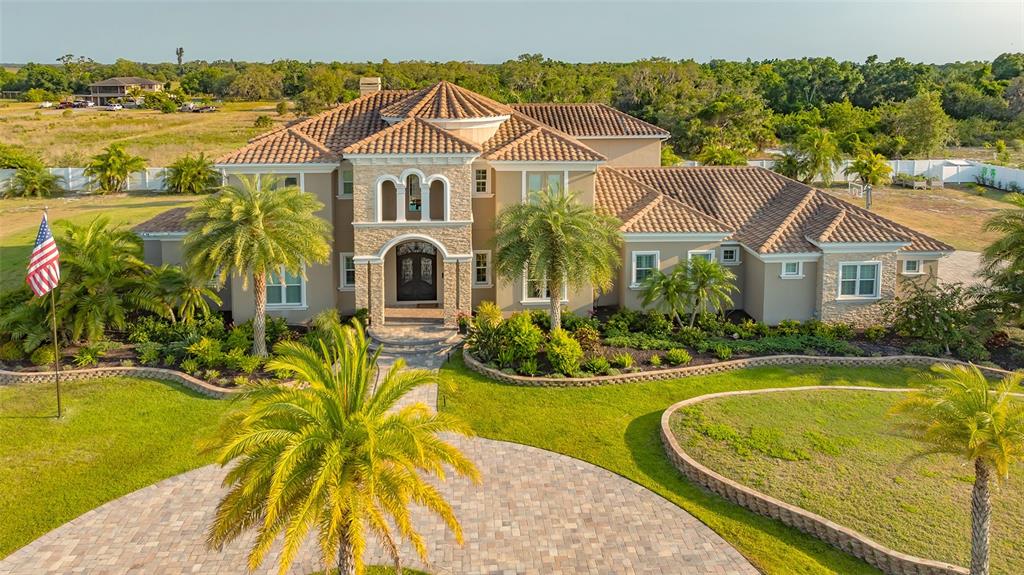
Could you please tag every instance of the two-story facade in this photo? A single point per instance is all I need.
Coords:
(411, 182)
(104, 91)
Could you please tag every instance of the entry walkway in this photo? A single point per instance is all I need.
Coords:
(535, 512)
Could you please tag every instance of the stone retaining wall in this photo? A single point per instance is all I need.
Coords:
(847, 540)
(716, 367)
(16, 377)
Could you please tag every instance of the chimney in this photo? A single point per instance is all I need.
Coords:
(369, 85)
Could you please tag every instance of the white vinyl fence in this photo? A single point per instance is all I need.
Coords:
(74, 179)
(949, 171)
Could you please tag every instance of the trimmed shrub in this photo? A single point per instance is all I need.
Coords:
(656, 324)
(518, 338)
(43, 356)
(573, 322)
(640, 341)
(874, 333)
(528, 367)
(788, 327)
(11, 351)
(263, 122)
(589, 338)
(564, 352)
(678, 356)
(540, 319)
(149, 352)
(190, 366)
(655, 360)
(723, 352)
(690, 336)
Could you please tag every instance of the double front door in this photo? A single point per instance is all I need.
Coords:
(417, 272)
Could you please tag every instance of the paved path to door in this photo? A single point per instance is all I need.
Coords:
(535, 512)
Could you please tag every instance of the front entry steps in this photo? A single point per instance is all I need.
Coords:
(414, 338)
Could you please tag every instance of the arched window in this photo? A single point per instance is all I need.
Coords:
(388, 201)
(437, 200)
(413, 197)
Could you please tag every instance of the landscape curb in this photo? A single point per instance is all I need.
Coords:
(840, 537)
(717, 367)
(195, 384)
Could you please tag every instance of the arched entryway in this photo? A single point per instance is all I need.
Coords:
(416, 273)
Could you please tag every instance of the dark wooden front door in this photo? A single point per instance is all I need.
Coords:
(417, 272)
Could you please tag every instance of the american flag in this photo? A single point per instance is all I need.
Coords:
(44, 265)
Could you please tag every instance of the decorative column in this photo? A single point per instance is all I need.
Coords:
(466, 286)
(400, 205)
(376, 290)
(451, 293)
(424, 202)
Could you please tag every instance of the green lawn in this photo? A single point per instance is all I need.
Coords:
(617, 427)
(117, 435)
(20, 217)
(835, 453)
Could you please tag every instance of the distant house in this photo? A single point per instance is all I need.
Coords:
(104, 91)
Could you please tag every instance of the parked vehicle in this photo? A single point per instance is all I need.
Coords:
(46, 104)
(205, 109)
(82, 104)
(113, 107)
(65, 104)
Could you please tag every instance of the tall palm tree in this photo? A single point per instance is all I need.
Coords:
(192, 175)
(957, 413)
(870, 168)
(335, 455)
(710, 285)
(110, 169)
(181, 295)
(821, 154)
(668, 292)
(103, 279)
(555, 237)
(252, 230)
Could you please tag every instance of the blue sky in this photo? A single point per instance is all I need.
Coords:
(493, 31)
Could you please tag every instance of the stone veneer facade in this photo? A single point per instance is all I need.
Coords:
(860, 312)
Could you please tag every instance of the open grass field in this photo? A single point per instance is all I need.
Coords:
(117, 435)
(617, 427)
(836, 453)
(159, 138)
(953, 214)
(19, 222)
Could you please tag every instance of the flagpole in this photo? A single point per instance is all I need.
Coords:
(56, 349)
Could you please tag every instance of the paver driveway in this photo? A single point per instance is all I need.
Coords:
(535, 512)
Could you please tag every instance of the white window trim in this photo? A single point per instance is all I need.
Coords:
(799, 275)
(920, 268)
(565, 180)
(489, 193)
(691, 253)
(734, 262)
(541, 300)
(633, 284)
(490, 271)
(302, 301)
(878, 281)
(342, 285)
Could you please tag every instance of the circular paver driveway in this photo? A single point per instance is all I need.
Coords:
(534, 512)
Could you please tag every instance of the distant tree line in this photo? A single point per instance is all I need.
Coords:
(720, 109)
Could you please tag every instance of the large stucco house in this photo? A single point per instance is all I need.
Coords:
(411, 182)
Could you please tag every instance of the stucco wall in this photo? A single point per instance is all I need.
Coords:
(670, 255)
(628, 152)
(929, 277)
(791, 298)
(859, 312)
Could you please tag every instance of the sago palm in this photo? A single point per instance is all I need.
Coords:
(252, 230)
(556, 237)
(957, 413)
(181, 296)
(34, 181)
(103, 278)
(791, 163)
(710, 287)
(668, 292)
(718, 155)
(192, 175)
(109, 170)
(335, 455)
(870, 168)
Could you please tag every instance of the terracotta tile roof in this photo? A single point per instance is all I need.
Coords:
(773, 214)
(412, 136)
(285, 146)
(445, 100)
(589, 120)
(172, 220)
(522, 139)
(643, 209)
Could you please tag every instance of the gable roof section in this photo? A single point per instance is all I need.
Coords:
(170, 221)
(643, 209)
(590, 120)
(773, 214)
(412, 136)
(285, 146)
(445, 100)
(522, 139)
